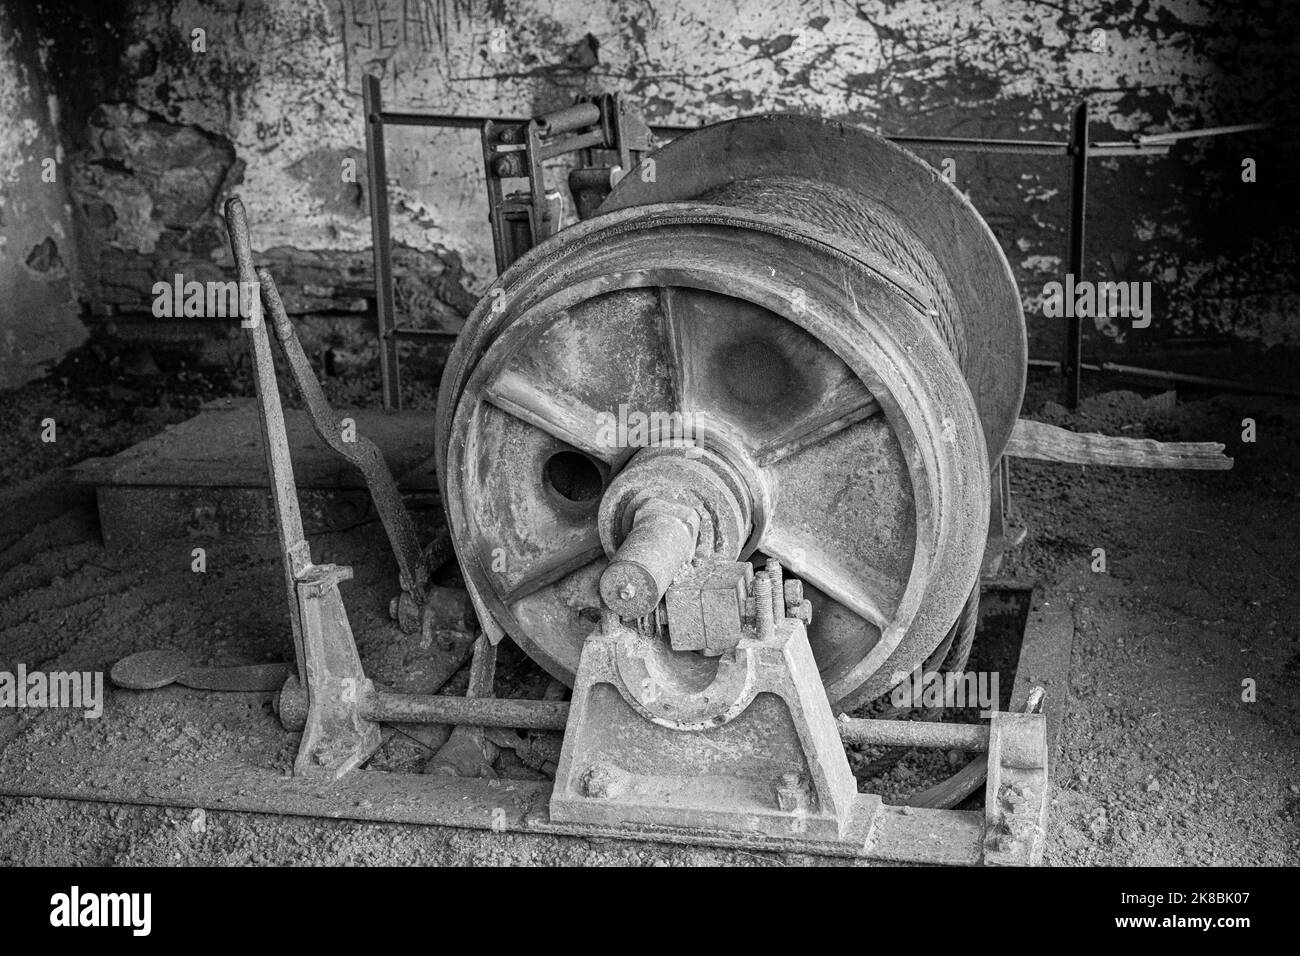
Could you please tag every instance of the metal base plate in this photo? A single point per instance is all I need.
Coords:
(251, 772)
(506, 808)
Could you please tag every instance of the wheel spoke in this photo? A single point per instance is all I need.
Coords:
(552, 567)
(838, 414)
(682, 372)
(557, 413)
(865, 594)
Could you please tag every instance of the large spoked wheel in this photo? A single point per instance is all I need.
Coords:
(852, 437)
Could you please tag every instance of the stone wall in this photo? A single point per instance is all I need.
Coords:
(168, 106)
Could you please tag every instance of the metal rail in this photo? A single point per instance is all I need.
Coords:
(1077, 149)
(395, 708)
(1078, 205)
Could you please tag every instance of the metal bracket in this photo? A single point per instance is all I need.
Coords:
(515, 150)
(1015, 802)
(658, 739)
(336, 738)
(356, 450)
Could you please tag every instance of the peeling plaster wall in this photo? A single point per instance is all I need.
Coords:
(272, 109)
(38, 311)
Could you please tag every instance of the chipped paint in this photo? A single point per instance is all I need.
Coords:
(280, 82)
(36, 258)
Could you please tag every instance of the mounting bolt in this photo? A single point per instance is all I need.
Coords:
(627, 592)
(603, 781)
(508, 166)
(778, 590)
(790, 796)
(764, 623)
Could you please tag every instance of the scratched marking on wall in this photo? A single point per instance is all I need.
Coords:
(404, 36)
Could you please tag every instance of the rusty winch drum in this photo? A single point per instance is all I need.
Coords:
(791, 327)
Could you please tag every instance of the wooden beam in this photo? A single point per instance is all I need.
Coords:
(1043, 442)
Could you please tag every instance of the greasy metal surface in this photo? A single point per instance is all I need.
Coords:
(843, 156)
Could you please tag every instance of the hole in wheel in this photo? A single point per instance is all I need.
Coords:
(574, 476)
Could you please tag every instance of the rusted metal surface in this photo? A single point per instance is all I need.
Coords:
(468, 752)
(1016, 798)
(335, 738)
(824, 366)
(392, 708)
(516, 149)
(660, 543)
(353, 447)
(508, 810)
(294, 554)
(914, 733)
(149, 670)
(380, 236)
(1042, 679)
(443, 608)
(693, 304)
(1073, 353)
(745, 742)
(705, 606)
(943, 221)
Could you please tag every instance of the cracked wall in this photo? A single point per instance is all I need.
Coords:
(160, 129)
(38, 310)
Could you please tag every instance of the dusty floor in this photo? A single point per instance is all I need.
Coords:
(1161, 760)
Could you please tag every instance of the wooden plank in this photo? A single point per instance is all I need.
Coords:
(222, 447)
(1045, 662)
(1043, 442)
